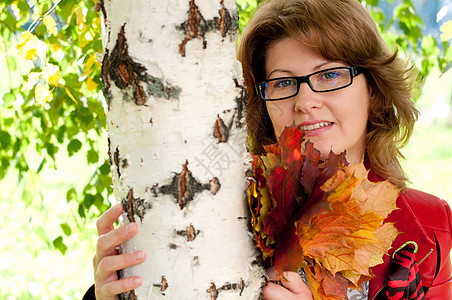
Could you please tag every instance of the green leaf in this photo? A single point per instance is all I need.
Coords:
(41, 165)
(51, 149)
(5, 139)
(99, 202)
(89, 200)
(74, 146)
(105, 168)
(9, 99)
(92, 156)
(66, 229)
(58, 244)
(81, 210)
(71, 194)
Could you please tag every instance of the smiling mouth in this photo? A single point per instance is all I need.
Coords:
(315, 126)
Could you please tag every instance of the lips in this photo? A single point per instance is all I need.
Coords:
(315, 126)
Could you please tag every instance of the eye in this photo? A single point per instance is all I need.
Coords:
(284, 83)
(331, 74)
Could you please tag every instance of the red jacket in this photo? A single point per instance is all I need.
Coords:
(426, 220)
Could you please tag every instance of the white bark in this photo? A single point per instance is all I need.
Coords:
(150, 143)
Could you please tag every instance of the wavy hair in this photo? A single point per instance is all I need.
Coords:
(339, 30)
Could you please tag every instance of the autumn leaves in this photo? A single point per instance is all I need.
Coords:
(323, 216)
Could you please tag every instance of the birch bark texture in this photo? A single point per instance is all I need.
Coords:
(177, 146)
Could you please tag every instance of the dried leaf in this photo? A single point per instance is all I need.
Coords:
(324, 216)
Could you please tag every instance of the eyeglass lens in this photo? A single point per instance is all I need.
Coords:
(322, 81)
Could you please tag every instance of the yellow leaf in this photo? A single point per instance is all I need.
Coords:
(32, 78)
(80, 18)
(446, 30)
(50, 24)
(31, 54)
(30, 47)
(53, 74)
(90, 84)
(70, 94)
(56, 47)
(88, 65)
(42, 94)
(25, 38)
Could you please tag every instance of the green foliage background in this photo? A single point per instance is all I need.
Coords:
(54, 167)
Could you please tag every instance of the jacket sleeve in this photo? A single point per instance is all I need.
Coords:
(90, 295)
(442, 285)
(442, 289)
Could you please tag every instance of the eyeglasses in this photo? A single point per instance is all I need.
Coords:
(322, 81)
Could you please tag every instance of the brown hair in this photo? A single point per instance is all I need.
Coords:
(339, 30)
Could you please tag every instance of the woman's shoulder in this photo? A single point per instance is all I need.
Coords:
(431, 211)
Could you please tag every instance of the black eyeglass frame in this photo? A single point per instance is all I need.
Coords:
(354, 71)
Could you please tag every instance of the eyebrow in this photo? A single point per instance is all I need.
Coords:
(316, 68)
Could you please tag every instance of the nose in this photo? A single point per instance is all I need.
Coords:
(306, 99)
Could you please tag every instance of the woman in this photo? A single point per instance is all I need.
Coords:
(322, 65)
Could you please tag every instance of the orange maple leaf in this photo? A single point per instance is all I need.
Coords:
(325, 217)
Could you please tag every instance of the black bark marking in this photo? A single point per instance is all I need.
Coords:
(227, 24)
(213, 291)
(240, 101)
(190, 232)
(184, 187)
(110, 159)
(173, 246)
(130, 295)
(105, 70)
(214, 186)
(116, 160)
(221, 131)
(195, 261)
(164, 284)
(124, 71)
(125, 163)
(196, 26)
(135, 206)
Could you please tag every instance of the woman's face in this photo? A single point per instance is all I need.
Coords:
(334, 120)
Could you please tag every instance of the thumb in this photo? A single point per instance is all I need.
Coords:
(293, 282)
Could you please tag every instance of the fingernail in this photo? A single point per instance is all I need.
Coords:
(136, 281)
(139, 255)
(130, 228)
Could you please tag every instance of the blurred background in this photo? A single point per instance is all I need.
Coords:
(54, 167)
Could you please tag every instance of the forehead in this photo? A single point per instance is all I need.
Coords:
(292, 56)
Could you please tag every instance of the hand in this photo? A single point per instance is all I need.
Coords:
(292, 288)
(108, 260)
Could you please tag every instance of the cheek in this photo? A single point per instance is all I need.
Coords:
(280, 114)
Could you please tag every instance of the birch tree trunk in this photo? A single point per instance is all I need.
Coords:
(177, 146)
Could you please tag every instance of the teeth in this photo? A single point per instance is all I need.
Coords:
(315, 126)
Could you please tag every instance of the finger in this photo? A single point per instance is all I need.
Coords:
(273, 291)
(105, 222)
(116, 287)
(111, 264)
(293, 282)
(107, 243)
